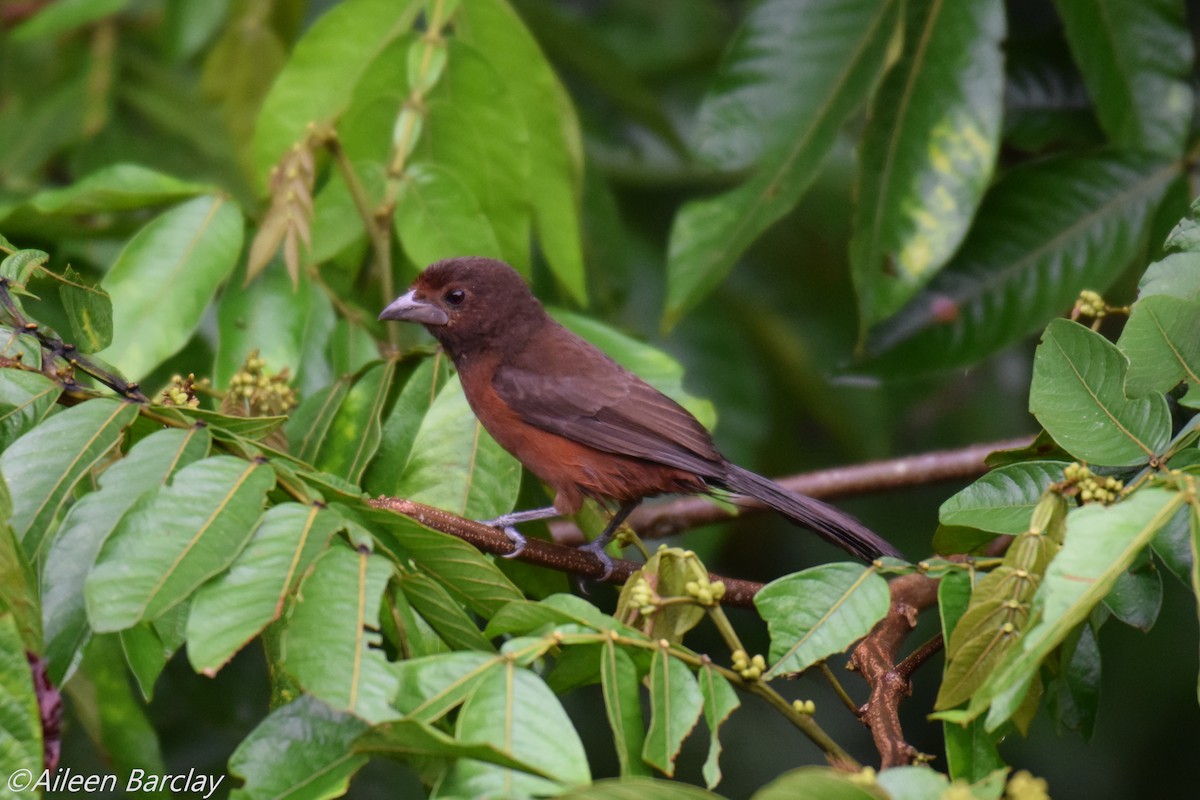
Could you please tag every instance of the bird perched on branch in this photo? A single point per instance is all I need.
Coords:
(588, 427)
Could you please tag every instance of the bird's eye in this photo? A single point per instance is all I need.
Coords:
(455, 297)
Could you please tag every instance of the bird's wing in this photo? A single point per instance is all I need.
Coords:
(596, 402)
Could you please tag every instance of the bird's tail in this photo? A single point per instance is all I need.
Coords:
(832, 525)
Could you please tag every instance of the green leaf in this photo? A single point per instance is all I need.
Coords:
(914, 783)
(523, 617)
(368, 126)
(430, 687)
(302, 749)
(456, 465)
(117, 187)
(225, 426)
(316, 84)
(1075, 696)
(238, 71)
(269, 316)
(471, 96)
(1161, 344)
(1173, 546)
(1194, 524)
(65, 15)
(25, 399)
(331, 643)
(675, 705)
(818, 612)
(443, 613)
(928, 152)
(1078, 394)
(1046, 103)
(1177, 275)
(309, 424)
(438, 216)
(638, 789)
(403, 420)
(555, 149)
(189, 24)
(409, 738)
(166, 276)
(986, 633)
(621, 684)
(147, 652)
(112, 713)
(514, 711)
(798, 68)
(149, 464)
(779, 72)
(1044, 232)
(1102, 542)
(19, 600)
(819, 782)
(1003, 500)
(20, 719)
(1136, 596)
(467, 574)
(235, 606)
(337, 223)
(577, 46)
(719, 702)
(971, 751)
(43, 466)
(89, 311)
(354, 431)
(1140, 90)
(175, 538)
(20, 266)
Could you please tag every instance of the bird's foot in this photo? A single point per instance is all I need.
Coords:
(596, 548)
(505, 523)
(514, 536)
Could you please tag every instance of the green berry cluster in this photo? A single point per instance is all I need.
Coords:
(1024, 786)
(643, 597)
(1091, 488)
(805, 706)
(181, 392)
(1091, 304)
(751, 669)
(263, 394)
(705, 592)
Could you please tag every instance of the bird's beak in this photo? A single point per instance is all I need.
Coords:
(408, 308)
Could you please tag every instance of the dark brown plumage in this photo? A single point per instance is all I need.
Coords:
(585, 425)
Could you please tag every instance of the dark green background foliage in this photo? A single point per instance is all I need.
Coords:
(833, 229)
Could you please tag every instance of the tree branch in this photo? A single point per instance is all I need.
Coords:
(666, 519)
(547, 554)
(875, 659)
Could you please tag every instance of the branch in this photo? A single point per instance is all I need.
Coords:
(546, 554)
(876, 659)
(666, 519)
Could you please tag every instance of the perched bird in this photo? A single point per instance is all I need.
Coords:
(588, 427)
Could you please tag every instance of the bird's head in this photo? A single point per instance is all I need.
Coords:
(468, 303)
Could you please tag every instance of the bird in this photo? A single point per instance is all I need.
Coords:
(586, 426)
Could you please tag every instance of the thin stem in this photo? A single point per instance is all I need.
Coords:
(725, 628)
(838, 689)
(378, 225)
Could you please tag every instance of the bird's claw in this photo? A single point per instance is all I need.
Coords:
(516, 538)
(596, 548)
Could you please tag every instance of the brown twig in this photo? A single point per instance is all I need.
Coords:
(666, 519)
(547, 554)
(875, 659)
